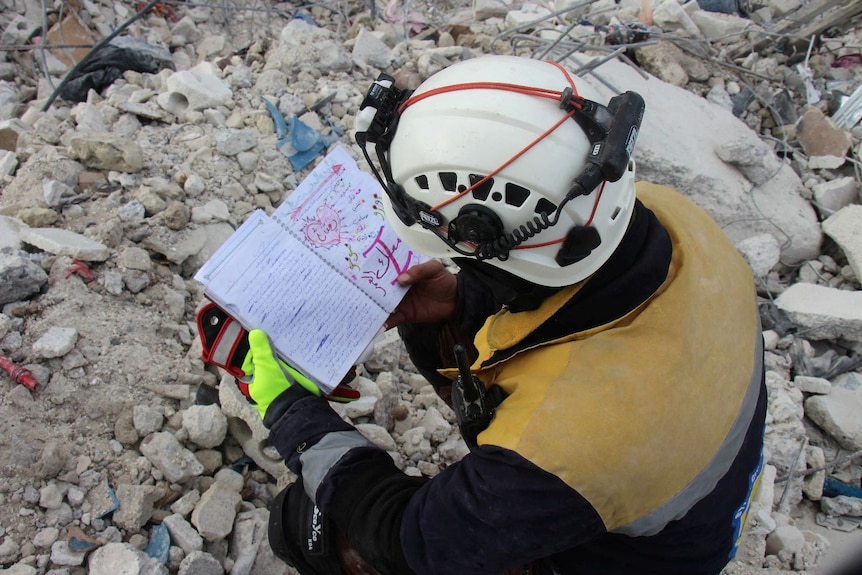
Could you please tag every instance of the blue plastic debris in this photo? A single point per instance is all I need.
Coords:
(81, 544)
(304, 17)
(832, 488)
(114, 504)
(160, 543)
(305, 142)
(242, 463)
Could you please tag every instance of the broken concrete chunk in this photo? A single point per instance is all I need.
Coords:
(819, 136)
(62, 242)
(57, 342)
(177, 463)
(838, 415)
(845, 228)
(10, 130)
(19, 278)
(108, 152)
(821, 312)
(836, 194)
(195, 89)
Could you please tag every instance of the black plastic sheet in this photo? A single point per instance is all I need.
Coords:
(103, 69)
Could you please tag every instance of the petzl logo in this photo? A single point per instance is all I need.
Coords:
(429, 219)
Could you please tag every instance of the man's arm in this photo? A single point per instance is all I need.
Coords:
(483, 515)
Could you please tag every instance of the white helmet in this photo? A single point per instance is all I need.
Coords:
(484, 162)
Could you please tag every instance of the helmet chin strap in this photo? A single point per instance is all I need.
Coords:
(514, 292)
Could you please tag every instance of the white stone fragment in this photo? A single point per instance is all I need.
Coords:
(822, 312)
(845, 227)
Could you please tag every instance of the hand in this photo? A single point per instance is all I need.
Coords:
(271, 376)
(431, 296)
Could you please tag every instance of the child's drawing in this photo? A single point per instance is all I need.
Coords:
(338, 209)
(325, 229)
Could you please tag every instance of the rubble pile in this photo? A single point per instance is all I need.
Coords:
(123, 168)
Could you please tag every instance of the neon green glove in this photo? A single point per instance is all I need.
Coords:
(271, 376)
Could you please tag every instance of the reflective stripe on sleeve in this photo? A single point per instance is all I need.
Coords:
(323, 455)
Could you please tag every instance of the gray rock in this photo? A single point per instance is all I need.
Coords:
(136, 505)
(235, 405)
(672, 18)
(370, 50)
(108, 151)
(176, 247)
(57, 193)
(822, 312)
(838, 415)
(19, 278)
(50, 497)
(164, 451)
(8, 163)
(146, 420)
(63, 242)
(436, 426)
(10, 234)
(303, 45)
(135, 258)
(46, 537)
(377, 435)
(19, 569)
(186, 504)
(134, 211)
(207, 238)
(845, 227)
(213, 210)
(663, 61)
(19, 30)
(762, 253)
(214, 514)
(205, 424)
(63, 555)
(815, 385)
(57, 342)
(114, 558)
(200, 563)
(194, 89)
(786, 539)
(842, 505)
(836, 194)
(714, 25)
(250, 548)
(183, 534)
(230, 142)
(677, 147)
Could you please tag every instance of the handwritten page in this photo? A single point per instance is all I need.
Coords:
(319, 275)
(262, 277)
(337, 212)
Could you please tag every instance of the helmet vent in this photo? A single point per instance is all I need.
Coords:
(422, 182)
(449, 180)
(481, 191)
(516, 195)
(546, 206)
